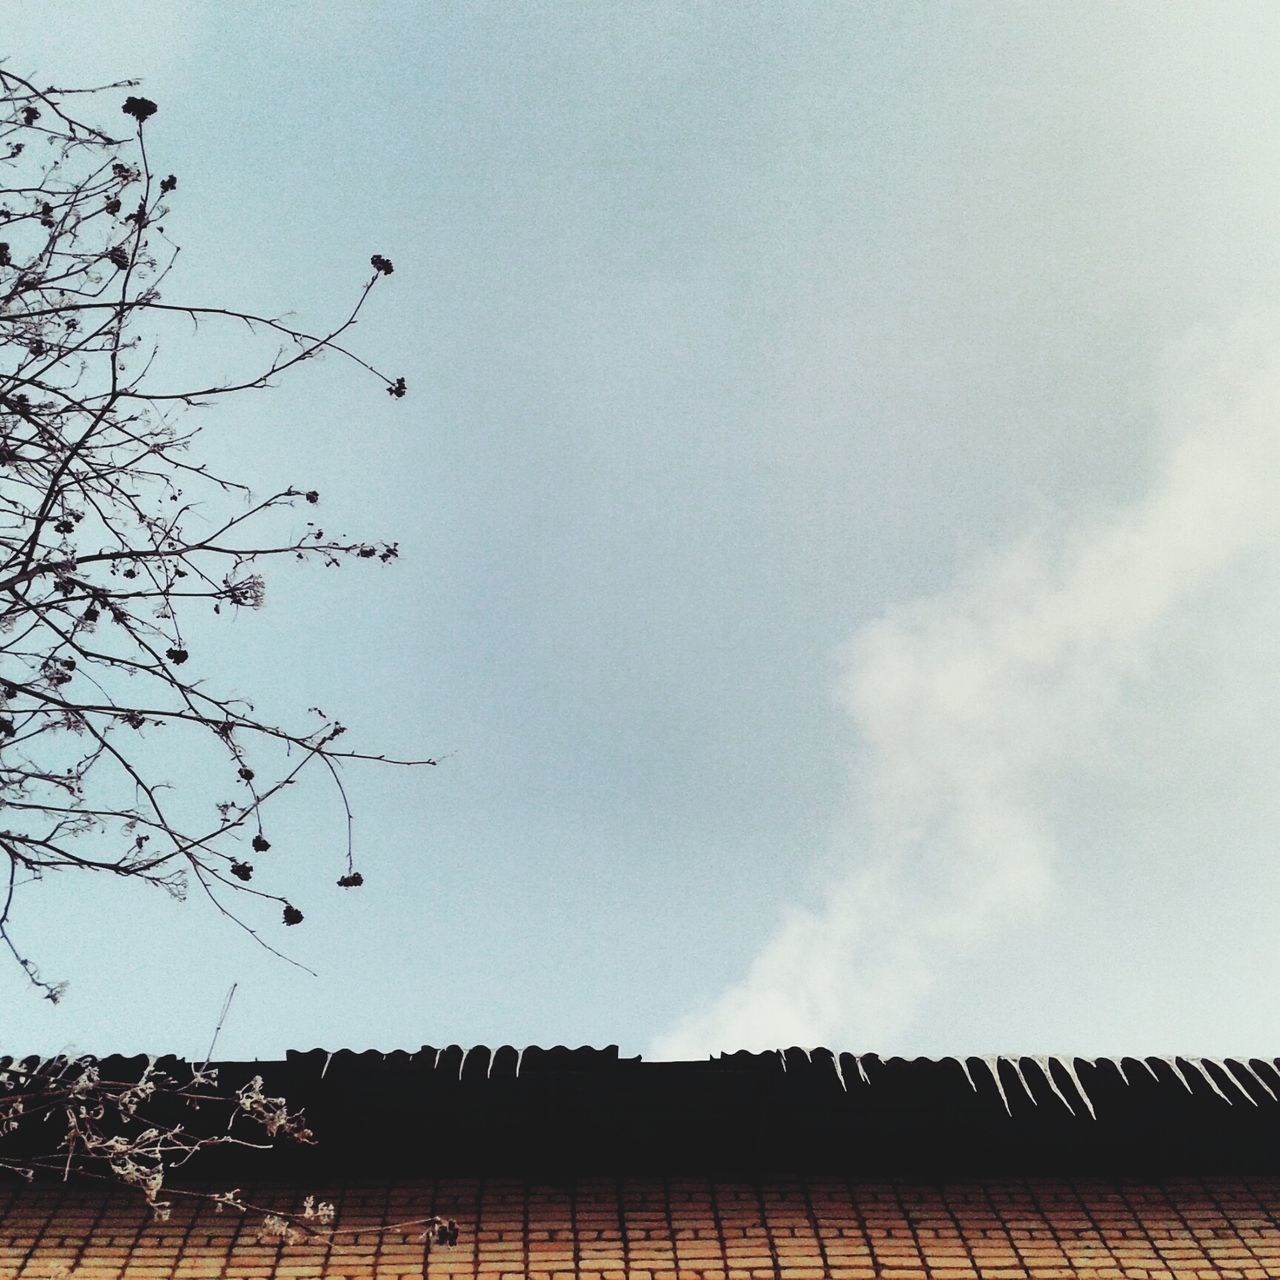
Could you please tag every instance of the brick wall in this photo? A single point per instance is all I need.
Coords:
(674, 1229)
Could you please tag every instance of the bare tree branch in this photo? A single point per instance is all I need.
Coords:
(114, 537)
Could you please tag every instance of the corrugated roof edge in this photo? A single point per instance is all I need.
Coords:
(1016, 1081)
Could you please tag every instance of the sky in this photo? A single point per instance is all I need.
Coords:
(837, 500)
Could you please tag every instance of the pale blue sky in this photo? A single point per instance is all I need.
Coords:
(835, 498)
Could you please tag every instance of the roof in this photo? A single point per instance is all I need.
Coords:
(533, 1110)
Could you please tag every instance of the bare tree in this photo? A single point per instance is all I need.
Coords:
(116, 758)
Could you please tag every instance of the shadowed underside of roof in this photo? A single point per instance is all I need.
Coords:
(523, 1110)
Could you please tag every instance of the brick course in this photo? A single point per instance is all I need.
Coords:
(647, 1228)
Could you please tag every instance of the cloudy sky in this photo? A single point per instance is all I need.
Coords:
(839, 501)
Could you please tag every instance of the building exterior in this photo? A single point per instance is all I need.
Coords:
(582, 1165)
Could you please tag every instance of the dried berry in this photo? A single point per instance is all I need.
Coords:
(139, 108)
(291, 914)
(177, 656)
(260, 843)
(381, 264)
(119, 257)
(397, 389)
(246, 773)
(168, 184)
(242, 870)
(312, 496)
(352, 881)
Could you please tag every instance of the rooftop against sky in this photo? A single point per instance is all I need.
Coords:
(836, 516)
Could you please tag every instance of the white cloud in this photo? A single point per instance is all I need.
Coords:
(1058, 663)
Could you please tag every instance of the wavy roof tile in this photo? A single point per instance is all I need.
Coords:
(593, 1108)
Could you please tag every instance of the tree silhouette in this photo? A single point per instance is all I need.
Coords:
(116, 758)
